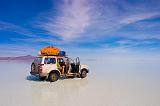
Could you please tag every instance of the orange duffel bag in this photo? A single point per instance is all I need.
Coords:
(50, 50)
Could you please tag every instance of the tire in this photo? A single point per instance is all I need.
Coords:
(33, 67)
(83, 74)
(53, 77)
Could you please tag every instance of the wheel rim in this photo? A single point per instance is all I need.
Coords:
(53, 77)
(84, 73)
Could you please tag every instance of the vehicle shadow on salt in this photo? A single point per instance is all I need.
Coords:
(32, 78)
(37, 79)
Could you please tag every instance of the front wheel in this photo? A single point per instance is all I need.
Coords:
(83, 74)
(53, 77)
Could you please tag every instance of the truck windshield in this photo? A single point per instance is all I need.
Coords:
(49, 61)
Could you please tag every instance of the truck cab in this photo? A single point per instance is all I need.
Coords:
(54, 67)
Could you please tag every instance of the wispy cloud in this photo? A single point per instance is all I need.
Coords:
(17, 50)
(72, 21)
(16, 28)
(94, 19)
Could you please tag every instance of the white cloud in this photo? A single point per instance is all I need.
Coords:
(138, 17)
(88, 19)
(72, 21)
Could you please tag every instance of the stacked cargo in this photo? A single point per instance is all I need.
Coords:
(62, 53)
(50, 50)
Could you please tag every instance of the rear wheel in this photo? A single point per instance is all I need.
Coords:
(33, 68)
(53, 77)
(83, 73)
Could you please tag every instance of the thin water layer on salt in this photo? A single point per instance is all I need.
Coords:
(111, 82)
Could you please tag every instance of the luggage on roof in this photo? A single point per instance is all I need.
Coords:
(50, 50)
(62, 53)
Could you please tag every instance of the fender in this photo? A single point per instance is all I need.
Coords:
(84, 67)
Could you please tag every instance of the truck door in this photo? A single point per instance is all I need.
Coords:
(61, 65)
(77, 64)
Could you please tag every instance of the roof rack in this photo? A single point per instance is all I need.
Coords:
(51, 55)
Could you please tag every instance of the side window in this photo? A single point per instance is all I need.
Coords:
(38, 60)
(35, 60)
(49, 61)
(61, 61)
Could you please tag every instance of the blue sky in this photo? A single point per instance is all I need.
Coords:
(75, 25)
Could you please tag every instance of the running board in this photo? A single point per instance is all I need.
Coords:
(72, 74)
